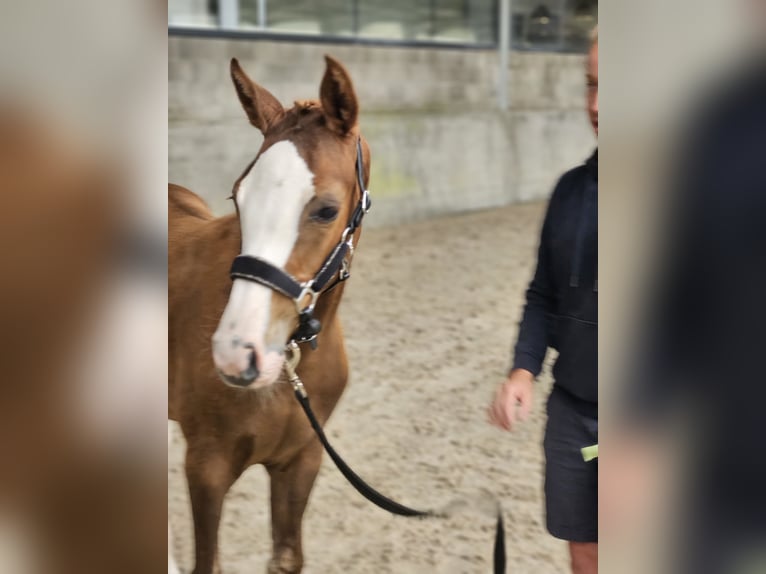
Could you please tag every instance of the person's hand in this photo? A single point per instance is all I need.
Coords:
(516, 390)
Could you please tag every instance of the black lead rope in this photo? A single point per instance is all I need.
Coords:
(383, 501)
(259, 271)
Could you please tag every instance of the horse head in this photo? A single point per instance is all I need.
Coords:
(294, 202)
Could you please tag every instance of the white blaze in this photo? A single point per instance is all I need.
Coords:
(271, 199)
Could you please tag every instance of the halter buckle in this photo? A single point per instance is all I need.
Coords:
(345, 270)
(345, 265)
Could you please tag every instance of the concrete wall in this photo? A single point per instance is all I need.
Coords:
(439, 145)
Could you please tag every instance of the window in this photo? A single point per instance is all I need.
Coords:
(311, 17)
(192, 13)
(558, 25)
(554, 25)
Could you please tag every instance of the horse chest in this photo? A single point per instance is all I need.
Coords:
(278, 438)
(280, 428)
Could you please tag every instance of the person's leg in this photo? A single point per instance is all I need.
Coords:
(584, 557)
(571, 484)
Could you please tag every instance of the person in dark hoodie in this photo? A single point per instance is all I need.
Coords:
(561, 312)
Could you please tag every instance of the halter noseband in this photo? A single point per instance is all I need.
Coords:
(338, 262)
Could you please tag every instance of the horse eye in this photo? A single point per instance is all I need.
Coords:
(325, 214)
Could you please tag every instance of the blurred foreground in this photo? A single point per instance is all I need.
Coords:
(683, 145)
(83, 333)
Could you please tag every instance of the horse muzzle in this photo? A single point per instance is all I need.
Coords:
(244, 365)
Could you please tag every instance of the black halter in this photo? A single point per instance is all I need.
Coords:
(337, 264)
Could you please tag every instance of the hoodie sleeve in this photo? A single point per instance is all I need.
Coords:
(534, 330)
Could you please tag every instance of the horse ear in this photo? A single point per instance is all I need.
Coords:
(338, 98)
(263, 109)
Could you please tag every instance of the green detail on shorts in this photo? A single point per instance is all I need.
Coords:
(589, 452)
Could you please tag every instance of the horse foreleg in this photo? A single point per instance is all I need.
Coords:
(290, 489)
(210, 475)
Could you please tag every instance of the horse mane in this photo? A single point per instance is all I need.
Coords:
(305, 106)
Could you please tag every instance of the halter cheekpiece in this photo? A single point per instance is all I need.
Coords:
(337, 264)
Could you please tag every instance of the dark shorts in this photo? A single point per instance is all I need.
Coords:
(571, 484)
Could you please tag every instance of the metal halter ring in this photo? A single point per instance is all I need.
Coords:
(344, 237)
(350, 253)
(307, 290)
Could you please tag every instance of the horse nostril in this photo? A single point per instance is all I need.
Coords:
(252, 370)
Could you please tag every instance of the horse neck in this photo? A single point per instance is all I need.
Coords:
(221, 238)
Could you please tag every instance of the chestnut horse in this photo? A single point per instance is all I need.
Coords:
(226, 384)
